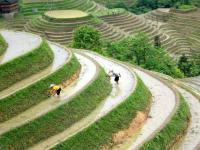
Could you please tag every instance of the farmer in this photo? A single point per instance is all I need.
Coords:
(55, 89)
(115, 75)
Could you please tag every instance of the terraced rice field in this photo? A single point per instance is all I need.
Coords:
(130, 24)
(181, 28)
(40, 7)
(146, 110)
(56, 122)
(61, 31)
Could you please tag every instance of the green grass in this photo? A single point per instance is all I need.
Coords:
(176, 127)
(3, 45)
(25, 66)
(100, 133)
(184, 8)
(59, 119)
(187, 7)
(35, 93)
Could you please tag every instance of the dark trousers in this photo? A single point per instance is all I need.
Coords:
(58, 91)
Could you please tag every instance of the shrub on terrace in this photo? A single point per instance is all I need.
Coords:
(190, 68)
(185, 6)
(3, 45)
(87, 37)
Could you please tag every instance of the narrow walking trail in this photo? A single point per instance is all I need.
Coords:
(60, 58)
(119, 93)
(87, 74)
(19, 43)
(164, 104)
(192, 138)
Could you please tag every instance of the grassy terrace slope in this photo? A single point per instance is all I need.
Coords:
(61, 30)
(59, 119)
(16, 24)
(173, 40)
(101, 132)
(131, 24)
(26, 65)
(28, 11)
(56, 30)
(171, 133)
(40, 7)
(3, 45)
(22, 100)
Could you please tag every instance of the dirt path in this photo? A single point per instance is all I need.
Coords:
(61, 56)
(163, 107)
(19, 43)
(118, 94)
(192, 138)
(88, 72)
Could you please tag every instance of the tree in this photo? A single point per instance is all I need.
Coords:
(158, 60)
(87, 37)
(139, 46)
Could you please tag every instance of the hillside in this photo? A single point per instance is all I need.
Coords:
(122, 77)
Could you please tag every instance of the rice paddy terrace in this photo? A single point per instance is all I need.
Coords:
(60, 28)
(37, 121)
(146, 110)
(182, 28)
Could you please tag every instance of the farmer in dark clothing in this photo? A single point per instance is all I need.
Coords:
(115, 75)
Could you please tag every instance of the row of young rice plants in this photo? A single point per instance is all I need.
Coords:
(3, 45)
(61, 118)
(24, 99)
(174, 130)
(26, 65)
(101, 132)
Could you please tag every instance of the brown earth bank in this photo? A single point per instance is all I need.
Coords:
(73, 78)
(179, 138)
(66, 83)
(135, 125)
